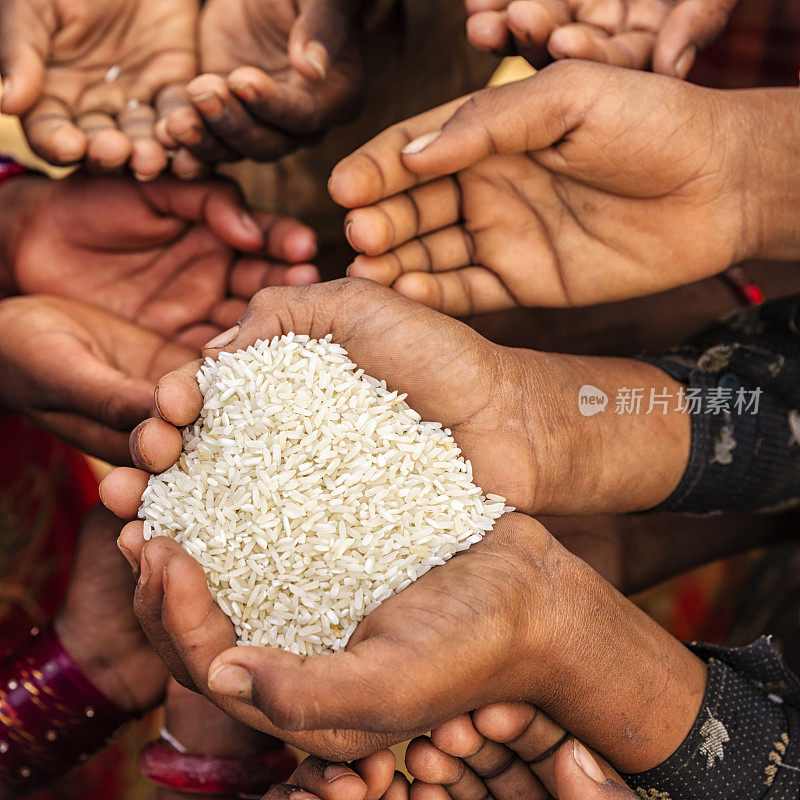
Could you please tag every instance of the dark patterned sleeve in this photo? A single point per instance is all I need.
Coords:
(744, 374)
(745, 743)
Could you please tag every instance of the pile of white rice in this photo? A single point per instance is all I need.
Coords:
(309, 493)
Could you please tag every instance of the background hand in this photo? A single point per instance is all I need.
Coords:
(81, 373)
(664, 35)
(161, 254)
(278, 74)
(96, 623)
(580, 185)
(85, 77)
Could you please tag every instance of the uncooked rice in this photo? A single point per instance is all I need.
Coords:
(310, 493)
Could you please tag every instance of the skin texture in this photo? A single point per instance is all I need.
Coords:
(55, 62)
(509, 602)
(118, 363)
(582, 184)
(661, 35)
(164, 255)
(275, 75)
(96, 623)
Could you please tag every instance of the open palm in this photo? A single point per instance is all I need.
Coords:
(583, 184)
(84, 76)
(159, 254)
(276, 74)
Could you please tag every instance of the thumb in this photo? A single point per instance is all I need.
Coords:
(523, 116)
(578, 776)
(690, 27)
(317, 36)
(24, 46)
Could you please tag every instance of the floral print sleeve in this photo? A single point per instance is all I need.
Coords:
(745, 742)
(745, 371)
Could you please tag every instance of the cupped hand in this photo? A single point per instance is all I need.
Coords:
(582, 184)
(85, 77)
(276, 75)
(507, 751)
(164, 255)
(81, 373)
(514, 616)
(665, 35)
(96, 623)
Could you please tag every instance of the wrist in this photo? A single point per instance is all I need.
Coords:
(130, 676)
(606, 433)
(767, 164)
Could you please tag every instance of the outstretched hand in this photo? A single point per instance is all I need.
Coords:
(275, 75)
(86, 78)
(165, 255)
(665, 35)
(580, 185)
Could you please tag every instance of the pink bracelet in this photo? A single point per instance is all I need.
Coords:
(51, 716)
(193, 773)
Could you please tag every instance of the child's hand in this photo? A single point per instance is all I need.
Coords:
(663, 35)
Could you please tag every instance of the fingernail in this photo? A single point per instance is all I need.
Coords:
(245, 91)
(129, 557)
(685, 61)
(587, 764)
(225, 338)
(250, 223)
(348, 227)
(232, 681)
(143, 177)
(317, 56)
(302, 794)
(144, 570)
(420, 143)
(209, 103)
(334, 771)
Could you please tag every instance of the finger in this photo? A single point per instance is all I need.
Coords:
(186, 128)
(488, 31)
(178, 398)
(149, 602)
(108, 148)
(227, 117)
(88, 435)
(130, 543)
(631, 49)
(227, 313)
(218, 204)
(294, 106)
(443, 250)
(419, 790)
(534, 22)
(51, 133)
(580, 775)
(378, 773)
(328, 780)
(121, 491)
(398, 788)
(458, 293)
(248, 276)
(552, 103)
(168, 100)
(376, 170)
(195, 336)
(317, 36)
(287, 239)
(196, 625)
(523, 729)
(187, 167)
(148, 157)
(501, 770)
(689, 28)
(375, 229)
(24, 45)
(155, 445)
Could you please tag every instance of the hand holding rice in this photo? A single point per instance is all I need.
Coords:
(310, 493)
